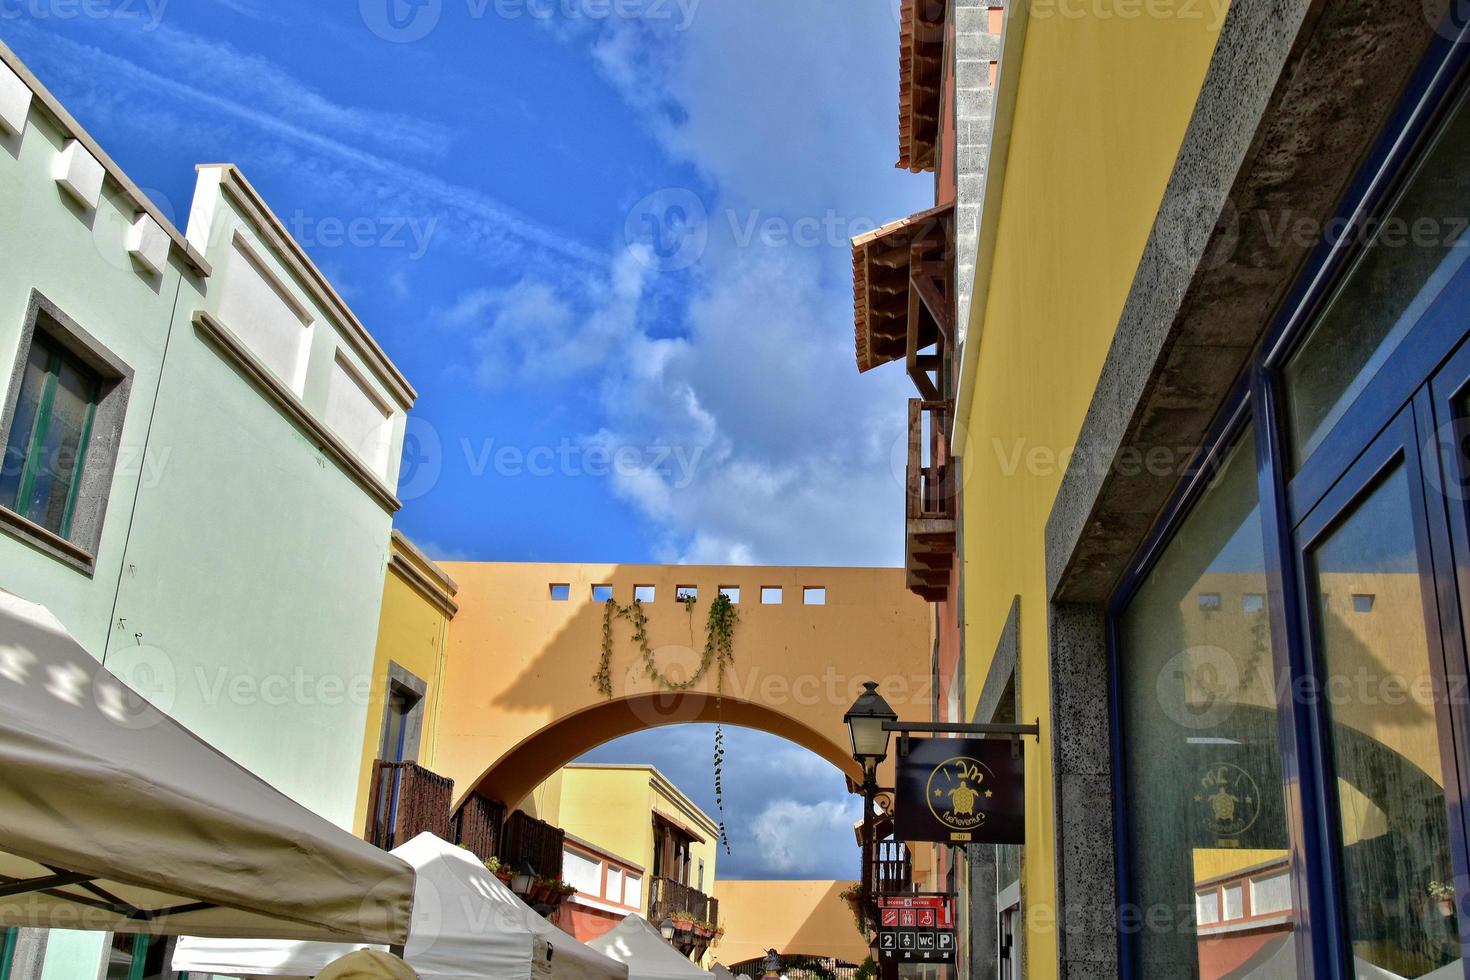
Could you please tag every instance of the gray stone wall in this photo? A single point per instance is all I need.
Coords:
(974, 49)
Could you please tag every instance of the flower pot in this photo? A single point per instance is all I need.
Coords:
(1446, 906)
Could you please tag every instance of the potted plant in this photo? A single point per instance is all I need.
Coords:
(853, 896)
(703, 929)
(501, 871)
(545, 890)
(1443, 894)
(683, 921)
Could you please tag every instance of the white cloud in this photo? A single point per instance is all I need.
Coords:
(804, 838)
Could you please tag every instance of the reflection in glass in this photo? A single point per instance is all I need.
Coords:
(1417, 248)
(1206, 810)
(1385, 740)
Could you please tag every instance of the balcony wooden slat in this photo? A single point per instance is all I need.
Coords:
(407, 800)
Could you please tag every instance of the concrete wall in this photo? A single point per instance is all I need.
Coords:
(1101, 106)
(520, 701)
(793, 917)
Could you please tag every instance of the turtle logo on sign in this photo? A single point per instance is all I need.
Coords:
(956, 789)
(1229, 799)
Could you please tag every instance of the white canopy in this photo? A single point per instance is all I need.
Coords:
(721, 972)
(638, 944)
(466, 924)
(113, 817)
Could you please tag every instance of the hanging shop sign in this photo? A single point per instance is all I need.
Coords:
(961, 791)
(916, 928)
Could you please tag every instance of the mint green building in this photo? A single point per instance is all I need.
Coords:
(201, 448)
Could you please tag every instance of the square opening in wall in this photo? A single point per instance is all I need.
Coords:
(731, 592)
(643, 593)
(601, 593)
(1363, 602)
(770, 595)
(683, 592)
(813, 596)
(1209, 601)
(560, 592)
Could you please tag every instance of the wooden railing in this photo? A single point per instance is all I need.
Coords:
(406, 801)
(476, 825)
(931, 490)
(528, 840)
(931, 493)
(667, 896)
(893, 868)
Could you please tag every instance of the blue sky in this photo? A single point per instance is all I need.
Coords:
(605, 239)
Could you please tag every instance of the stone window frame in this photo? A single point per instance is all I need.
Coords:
(403, 681)
(79, 548)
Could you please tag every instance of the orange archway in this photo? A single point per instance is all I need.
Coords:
(518, 700)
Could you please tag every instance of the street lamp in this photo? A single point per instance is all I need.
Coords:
(523, 878)
(667, 929)
(773, 963)
(864, 721)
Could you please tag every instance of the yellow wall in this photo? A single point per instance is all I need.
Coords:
(1101, 111)
(412, 631)
(793, 917)
(612, 807)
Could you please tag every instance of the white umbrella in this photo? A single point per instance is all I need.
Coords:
(466, 924)
(113, 817)
(638, 944)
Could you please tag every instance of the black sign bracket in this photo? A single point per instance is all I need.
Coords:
(1014, 732)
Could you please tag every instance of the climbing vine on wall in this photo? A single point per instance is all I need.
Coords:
(719, 654)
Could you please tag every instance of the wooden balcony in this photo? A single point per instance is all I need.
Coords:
(406, 801)
(667, 897)
(477, 826)
(893, 868)
(930, 539)
(526, 840)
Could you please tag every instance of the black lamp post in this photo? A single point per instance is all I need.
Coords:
(667, 929)
(865, 721)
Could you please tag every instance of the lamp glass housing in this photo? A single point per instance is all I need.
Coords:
(667, 929)
(865, 720)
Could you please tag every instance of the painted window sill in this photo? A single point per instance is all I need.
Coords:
(48, 542)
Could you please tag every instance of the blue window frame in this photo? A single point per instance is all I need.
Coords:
(1400, 435)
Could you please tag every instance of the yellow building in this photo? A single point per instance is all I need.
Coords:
(635, 843)
(405, 687)
(801, 919)
(1183, 484)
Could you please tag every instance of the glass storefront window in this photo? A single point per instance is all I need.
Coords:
(1417, 247)
(1382, 711)
(1204, 798)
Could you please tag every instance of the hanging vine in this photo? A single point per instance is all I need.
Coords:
(719, 653)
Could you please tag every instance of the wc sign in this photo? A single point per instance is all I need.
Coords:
(916, 929)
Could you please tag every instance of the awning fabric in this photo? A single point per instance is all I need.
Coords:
(114, 817)
(638, 944)
(721, 972)
(466, 923)
(368, 964)
(881, 268)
